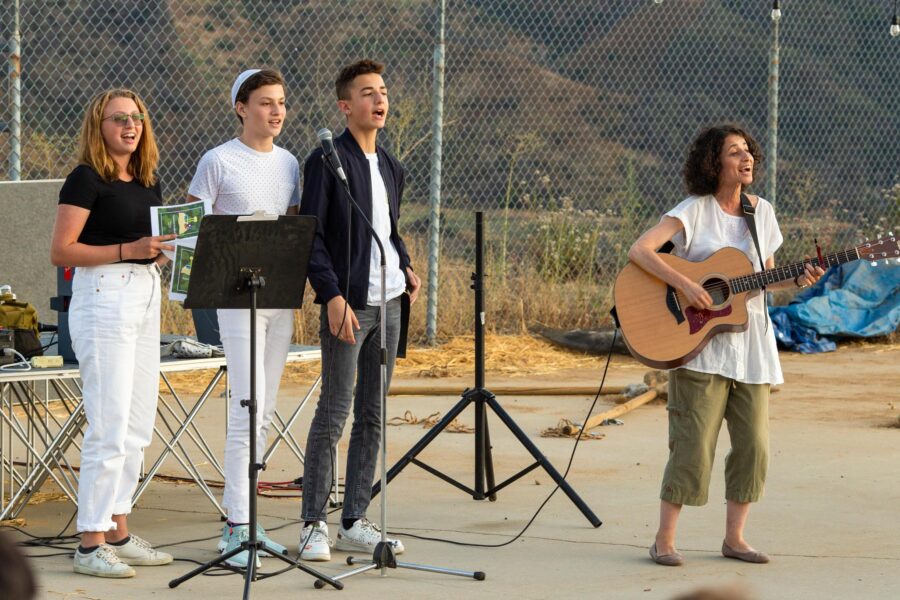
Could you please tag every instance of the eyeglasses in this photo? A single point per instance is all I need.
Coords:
(122, 118)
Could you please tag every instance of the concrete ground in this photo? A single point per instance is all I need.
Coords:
(829, 518)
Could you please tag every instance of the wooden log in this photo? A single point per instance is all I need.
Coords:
(617, 411)
(429, 388)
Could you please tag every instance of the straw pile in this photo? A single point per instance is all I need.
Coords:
(509, 355)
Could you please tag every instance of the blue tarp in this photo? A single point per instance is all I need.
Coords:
(852, 300)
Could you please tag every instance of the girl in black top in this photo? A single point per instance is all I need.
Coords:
(103, 228)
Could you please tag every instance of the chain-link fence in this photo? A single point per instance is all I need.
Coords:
(565, 120)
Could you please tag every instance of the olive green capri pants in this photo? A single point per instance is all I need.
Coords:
(697, 404)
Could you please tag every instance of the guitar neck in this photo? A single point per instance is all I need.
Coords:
(756, 281)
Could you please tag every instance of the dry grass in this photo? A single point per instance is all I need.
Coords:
(515, 301)
(509, 355)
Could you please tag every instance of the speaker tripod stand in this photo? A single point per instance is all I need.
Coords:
(485, 485)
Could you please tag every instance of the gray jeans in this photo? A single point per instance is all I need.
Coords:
(340, 361)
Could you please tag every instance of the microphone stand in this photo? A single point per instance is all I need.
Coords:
(383, 556)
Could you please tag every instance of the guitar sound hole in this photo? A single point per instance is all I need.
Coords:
(718, 289)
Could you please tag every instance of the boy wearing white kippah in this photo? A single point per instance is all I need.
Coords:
(247, 174)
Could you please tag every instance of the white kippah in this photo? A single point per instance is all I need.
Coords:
(239, 82)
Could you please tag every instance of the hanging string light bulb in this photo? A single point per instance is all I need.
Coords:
(776, 10)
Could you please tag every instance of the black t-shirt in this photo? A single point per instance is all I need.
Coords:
(120, 210)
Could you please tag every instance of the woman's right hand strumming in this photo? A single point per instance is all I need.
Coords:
(696, 296)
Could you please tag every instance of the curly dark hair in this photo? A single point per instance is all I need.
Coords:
(351, 72)
(701, 167)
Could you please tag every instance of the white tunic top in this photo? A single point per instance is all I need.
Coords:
(749, 356)
(239, 180)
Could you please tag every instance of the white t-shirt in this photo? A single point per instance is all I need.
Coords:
(381, 223)
(749, 356)
(239, 180)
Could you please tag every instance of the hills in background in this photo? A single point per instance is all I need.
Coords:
(591, 103)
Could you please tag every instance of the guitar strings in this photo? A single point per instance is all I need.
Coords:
(782, 273)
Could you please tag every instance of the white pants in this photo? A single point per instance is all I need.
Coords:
(114, 323)
(274, 328)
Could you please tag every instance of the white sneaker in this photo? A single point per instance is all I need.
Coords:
(317, 543)
(102, 562)
(364, 536)
(139, 553)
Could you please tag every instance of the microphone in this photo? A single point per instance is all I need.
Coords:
(330, 154)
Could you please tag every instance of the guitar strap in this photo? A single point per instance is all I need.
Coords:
(749, 212)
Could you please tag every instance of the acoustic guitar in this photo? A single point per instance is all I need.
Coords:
(661, 330)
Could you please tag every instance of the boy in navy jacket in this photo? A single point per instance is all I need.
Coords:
(347, 282)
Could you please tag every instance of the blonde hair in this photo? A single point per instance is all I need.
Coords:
(92, 149)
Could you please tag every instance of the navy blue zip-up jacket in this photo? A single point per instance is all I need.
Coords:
(324, 198)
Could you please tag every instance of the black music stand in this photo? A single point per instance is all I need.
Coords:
(254, 261)
(482, 398)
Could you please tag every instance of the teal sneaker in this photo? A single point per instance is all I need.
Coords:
(239, 533)
(226, 535)
(273, 546)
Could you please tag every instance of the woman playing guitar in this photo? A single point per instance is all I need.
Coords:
(730, 377)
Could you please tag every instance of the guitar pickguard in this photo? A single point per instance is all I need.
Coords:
(697, 319)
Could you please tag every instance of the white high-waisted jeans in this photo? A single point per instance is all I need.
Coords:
(114, 323)
(274, 328)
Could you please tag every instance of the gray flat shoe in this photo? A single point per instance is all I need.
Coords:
(753, 556)
(667, 560)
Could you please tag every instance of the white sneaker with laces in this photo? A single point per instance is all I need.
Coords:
(102, 562)
(364, 536)
(139, 553)
(315, 543)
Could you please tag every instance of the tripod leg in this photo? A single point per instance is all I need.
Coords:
(489, 460)
(479, 575)
(542, 460)
(207, 566)
(250, 573)
(422, 443)
(480, 431)
(320, 578)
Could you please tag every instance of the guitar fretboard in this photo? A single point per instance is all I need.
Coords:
(746, 283)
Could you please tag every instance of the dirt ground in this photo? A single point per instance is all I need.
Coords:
(829, 517)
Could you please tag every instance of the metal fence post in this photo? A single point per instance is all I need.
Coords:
(15, 84)
(772, 149)
(434, 220)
